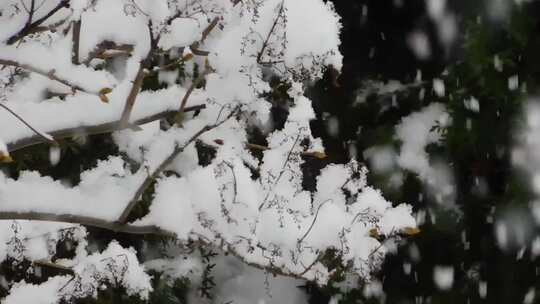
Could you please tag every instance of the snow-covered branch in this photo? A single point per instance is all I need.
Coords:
(103, 128)
(206, 178)
(85, 221)
(51, 74)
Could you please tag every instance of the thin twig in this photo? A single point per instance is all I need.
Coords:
(60, 268)
(43, 136)
(139, 78)
(31, 12)
(164, 164)
(130, 101)
(85, 221)
(265, 43)
(315, 154)
(313, 222)
(108, 49)
(280, 173)
(27, 29)
(107, 127)
(191, 88)
(49, 74)
(319, 256)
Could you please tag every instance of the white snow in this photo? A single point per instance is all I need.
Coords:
(269, 221)
(513, 82)
(416, 132)
(443, 276)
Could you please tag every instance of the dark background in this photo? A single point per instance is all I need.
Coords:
(470, 153)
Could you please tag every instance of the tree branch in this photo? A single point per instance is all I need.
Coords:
(265, 43)
(195, 45)
(76, 41)
(130, 101)
(49, 74)
(316, 154)
(131, 229)
(191, 88)
(92, 130)
(164, 164)
(85, 221)
(29, 27)
(108, 49)
(42, 136)
(59, 268)
(139, 78)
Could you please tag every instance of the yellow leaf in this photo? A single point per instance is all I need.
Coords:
(411, 231)
(103, 94)
(374, 233)
(105, 91)
(104, 98)
(187, 57)
(5, 158)
(319, 155)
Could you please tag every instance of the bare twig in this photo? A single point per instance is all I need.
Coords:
(49, 74)
(60, 268)
(138, 81)
(130, 101)
(195, 45)
(164, 164)
(267, 40)
(108, 49)
(31, 12)
(230, 249)
(85, 221)
(280, 173)
(93, 129)
(28, 28)
(44, 137)
(313, 222)
(76, 41)
(315, 154)
(317, 259)
(191, 88)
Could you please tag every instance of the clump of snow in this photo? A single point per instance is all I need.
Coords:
(472, 104)
(115, 265)
(482, 289)
(416, 131)
(443, 276)
(438, 87)
(513, 229)
(246, 285)
(497, 63)
(103, 192)
(418, 41)
(529, 296)
(513, 82)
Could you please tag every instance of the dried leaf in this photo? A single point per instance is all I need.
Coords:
(411, 231)
(5, 158)
(187, 57)
(320, 155)
(103, 94)
(105, 91)
(103, 98)
(374, 233)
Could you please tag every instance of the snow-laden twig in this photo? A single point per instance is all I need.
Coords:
(85, 221)
(49, 74)
(177, 150)
(43, 137)
(103, 128)
(30, 26)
